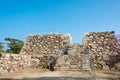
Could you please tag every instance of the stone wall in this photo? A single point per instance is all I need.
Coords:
(15, 62)
(34, 51)
(46, 44)
(100, 45)
(72, 57)
(102, 42)
(77, 59)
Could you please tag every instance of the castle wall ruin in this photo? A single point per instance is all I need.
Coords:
(69, 56)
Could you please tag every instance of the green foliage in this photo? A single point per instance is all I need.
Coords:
(1, 47)
(14, 45)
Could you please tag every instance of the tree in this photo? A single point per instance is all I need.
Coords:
(14, 45)
(1, 47)
(114, 57)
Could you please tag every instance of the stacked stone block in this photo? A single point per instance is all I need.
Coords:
(14, 62)
(46, 44)
(77, 59)
(100, 45)
(102, 42)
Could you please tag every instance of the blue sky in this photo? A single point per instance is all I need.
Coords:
(18, 18)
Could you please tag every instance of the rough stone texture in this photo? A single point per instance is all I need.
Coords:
(72, 57)
(46, 44)
(13, 62)
(16, 62)
(76, 59)
(100, 45)
(58, 45)
(102, 42)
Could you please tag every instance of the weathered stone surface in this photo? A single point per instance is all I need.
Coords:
(46, 44)
(15, 62)
(38, 49)
(101, 44)
(77, 59)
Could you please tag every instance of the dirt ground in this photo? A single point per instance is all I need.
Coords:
(37, 74)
